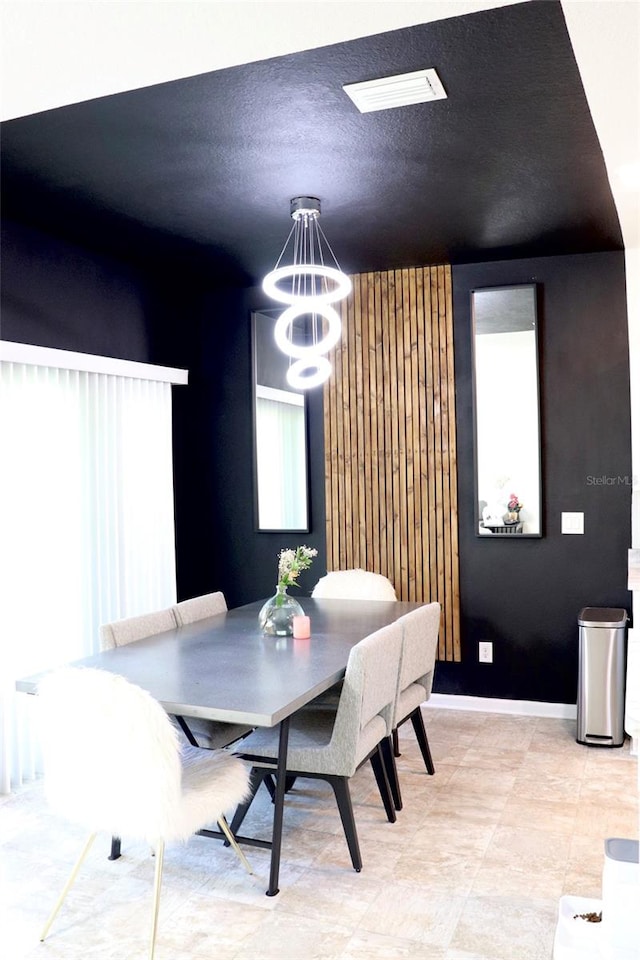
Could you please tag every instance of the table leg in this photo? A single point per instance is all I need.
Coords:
(278, 807)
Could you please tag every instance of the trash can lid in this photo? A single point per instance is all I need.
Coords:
(625, 851)
(602, 617)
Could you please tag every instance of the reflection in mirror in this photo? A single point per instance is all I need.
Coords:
(507, 414)
(280, 441)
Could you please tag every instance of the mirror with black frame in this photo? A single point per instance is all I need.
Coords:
(506, 411)
(280, 435)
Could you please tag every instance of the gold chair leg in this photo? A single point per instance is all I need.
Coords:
(156, 896)
(67, 886)
(224, 826)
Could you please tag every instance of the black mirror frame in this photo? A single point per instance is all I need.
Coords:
(273, 313)
(476, 511)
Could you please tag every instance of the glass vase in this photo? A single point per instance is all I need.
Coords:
(276, 616)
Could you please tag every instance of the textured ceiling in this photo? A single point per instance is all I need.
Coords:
(202, 169)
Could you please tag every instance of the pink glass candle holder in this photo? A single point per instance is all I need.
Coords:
(301, 627)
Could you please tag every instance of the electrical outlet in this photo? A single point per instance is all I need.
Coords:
(572, 523)
(485, 651)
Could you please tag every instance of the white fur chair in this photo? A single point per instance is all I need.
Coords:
(331, 746)
(122, 771)
(197, 608)
(349, 585)
(354, 585)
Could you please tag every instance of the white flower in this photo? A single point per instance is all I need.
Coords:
(292, 562)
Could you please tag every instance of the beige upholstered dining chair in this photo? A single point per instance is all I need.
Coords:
(210, 734)
(208, 605)
(207, 734)
(415, 680)
(331, 746)
(121, 632)
(354, 585)
(124, 771)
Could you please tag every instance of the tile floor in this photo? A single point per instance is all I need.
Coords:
(514, 817)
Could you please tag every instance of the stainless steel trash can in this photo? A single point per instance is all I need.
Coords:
(601, 675)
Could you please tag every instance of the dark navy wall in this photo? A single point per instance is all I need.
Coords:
(525, 595)
(55, 294)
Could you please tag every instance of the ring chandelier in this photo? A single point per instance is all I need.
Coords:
(308, 287)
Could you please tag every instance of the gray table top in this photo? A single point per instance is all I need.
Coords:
(223, 668)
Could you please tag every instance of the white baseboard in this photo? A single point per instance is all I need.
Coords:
(527, 708)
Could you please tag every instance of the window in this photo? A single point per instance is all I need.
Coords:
(87, 533)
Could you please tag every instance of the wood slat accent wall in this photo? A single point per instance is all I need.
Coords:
(390, 440)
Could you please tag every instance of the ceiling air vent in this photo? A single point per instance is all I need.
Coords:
(406, 88)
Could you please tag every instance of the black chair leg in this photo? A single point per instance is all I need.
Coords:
(392, 771)
(343, 799)
(270, 784)
(396, 745)
(258, 774)
(115, 848)
(187, 732)
(377, 762)
(423, 743)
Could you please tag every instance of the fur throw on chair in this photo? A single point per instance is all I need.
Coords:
(354, 585)
(113, 761)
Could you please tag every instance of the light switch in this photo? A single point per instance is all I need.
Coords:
(573, 522)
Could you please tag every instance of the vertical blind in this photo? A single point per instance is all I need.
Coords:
(86, 489)
(390, 440)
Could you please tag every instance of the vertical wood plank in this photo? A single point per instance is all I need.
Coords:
(373, 526)
(380, 414)
(348, 387)
(357, 459)
(414, 381)
(387, 386)
(431, 426)
(402, 550)
(330, 464)
(365, 449)
(405, 373)
(453, 471)
(394, 415)
(438, 516)
(425, 557)
(338, 515)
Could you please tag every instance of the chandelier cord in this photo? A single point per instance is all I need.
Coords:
(286, 244)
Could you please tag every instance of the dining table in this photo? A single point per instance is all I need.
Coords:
(223, 668)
